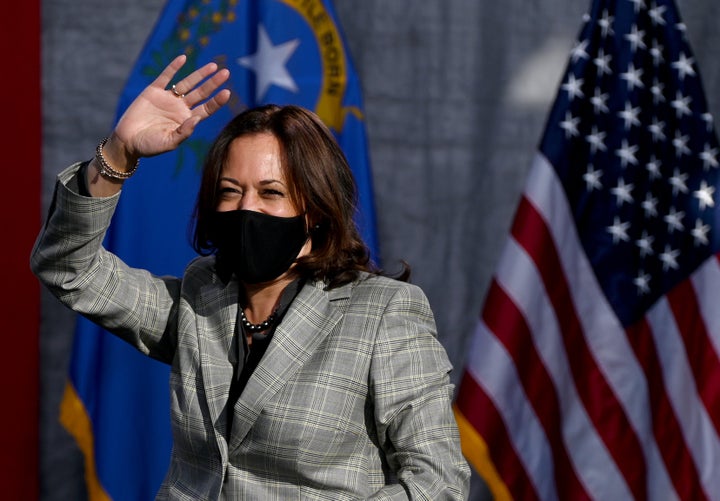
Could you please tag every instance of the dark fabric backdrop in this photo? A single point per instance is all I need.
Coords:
(456, 96)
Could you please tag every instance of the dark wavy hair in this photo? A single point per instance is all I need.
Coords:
(321, 185)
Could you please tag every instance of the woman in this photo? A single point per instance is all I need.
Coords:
(297, 370)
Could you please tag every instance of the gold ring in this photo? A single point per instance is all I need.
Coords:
(177, 92)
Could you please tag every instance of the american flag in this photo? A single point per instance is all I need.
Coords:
(594, 371)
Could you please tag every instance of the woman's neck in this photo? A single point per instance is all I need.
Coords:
(262, 299)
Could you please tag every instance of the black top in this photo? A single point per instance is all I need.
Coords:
(245, 361)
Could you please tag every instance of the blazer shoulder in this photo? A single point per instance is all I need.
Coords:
(201, 272)
(384, 288)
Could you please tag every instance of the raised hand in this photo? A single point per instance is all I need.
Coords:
(159, 119)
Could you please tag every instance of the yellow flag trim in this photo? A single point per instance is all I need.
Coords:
(475, 451)
(75, 419)
(334, 80)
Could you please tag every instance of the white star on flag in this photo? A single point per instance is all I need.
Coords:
(569, 125)
(649, 205)
(700, 232)
(630, 115)
(705, 195)
(619, 230)
(642, 282)
(653, 168)
(633, 77)
(627, 154)
(669, 258)
(635, 37)
(678, 182)
(573, 87)
(602, 61)
(592, 178)
(684, 66)
(656, 51)
(656, 129)
(645, 244)
(681, 104)
(622, 192)
(268, 63)
(656, 15)
(709, 157)
(599, 101)
(674, 220)
(579, 51)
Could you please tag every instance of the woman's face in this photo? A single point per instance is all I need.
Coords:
(252, 178)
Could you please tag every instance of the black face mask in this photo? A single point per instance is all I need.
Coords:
(256, 246)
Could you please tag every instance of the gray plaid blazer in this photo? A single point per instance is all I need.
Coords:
(352, 399)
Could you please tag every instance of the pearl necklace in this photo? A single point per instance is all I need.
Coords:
(266, 324)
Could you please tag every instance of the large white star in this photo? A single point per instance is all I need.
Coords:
(268, 63)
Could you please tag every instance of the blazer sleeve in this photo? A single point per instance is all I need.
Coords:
(412, 395)
(69, 259)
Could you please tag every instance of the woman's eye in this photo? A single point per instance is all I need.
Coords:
(273, 193)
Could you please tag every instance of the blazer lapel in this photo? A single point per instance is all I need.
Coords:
(310, 318)
(216, 328)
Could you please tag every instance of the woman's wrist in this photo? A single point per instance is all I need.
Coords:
(113, 160)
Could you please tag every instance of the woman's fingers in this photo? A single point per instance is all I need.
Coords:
(218, 101)
(164, 78)
(202, 112)
(196, 95)
(187, 88)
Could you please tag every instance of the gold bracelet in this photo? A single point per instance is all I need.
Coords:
(106, 170)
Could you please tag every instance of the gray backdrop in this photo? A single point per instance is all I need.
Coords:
(456, 96)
